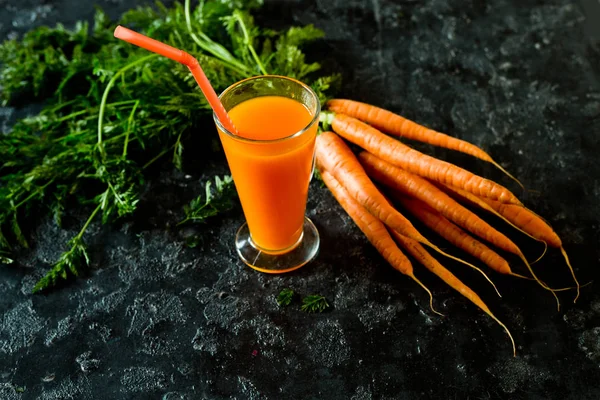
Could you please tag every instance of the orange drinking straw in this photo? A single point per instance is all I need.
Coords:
(184, 58)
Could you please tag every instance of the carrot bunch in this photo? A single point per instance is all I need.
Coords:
(386, 172)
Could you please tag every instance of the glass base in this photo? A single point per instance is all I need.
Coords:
(301, 253)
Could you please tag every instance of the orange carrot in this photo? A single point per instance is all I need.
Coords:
(333, 155)
(395, 124)
(397, 153)
(460, 194)
(374, 230)
(483, 204)
(528, 221)
(429, 262)
(455, 235)
(535, 226)
(425, 191)
(522, 219)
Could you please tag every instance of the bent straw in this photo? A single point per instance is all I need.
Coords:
(184, 58)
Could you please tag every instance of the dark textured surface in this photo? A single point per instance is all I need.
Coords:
(155, 319)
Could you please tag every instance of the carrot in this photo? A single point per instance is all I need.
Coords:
(429, 262)
(528, 221)
(425, 191)
(483, 204)
(395, 124)
(396, 195)
(455, 235)
(397, 153)
(522, 219)
(535, 226)
(334, 156)
(374, 230)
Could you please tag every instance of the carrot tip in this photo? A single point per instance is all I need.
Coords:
(564, 253)
(539, 281)
(543, 253)
(430, 295)
(572, 287)
(514, 346)
(557, 301)
(463, 262)
(508, 174)
(521, 276)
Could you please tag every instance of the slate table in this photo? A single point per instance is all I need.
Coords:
(157, 319)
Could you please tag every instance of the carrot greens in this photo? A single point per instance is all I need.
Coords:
(314, 303)
(213, 202)
(111, 110)
(284, 298)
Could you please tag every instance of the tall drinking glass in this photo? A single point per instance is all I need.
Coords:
(271, 159)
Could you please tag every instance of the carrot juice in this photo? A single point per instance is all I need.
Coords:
(271, 161)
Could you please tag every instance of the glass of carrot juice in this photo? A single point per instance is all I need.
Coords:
(271, 158)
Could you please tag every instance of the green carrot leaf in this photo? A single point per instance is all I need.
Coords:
(314, 303)
(285, 297)
(215, 201)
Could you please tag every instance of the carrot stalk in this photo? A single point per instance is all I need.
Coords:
(374, 230)
(333, 155)
(397, 153)
(429, 262)
(397, 125)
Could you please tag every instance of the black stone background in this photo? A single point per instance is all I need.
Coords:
(155, 319)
